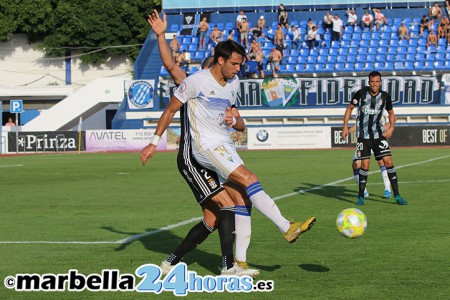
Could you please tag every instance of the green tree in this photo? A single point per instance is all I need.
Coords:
(94, 29)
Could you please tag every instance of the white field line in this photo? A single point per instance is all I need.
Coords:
(11, 166)
(179, 224)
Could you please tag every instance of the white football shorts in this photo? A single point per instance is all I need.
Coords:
(222, 159)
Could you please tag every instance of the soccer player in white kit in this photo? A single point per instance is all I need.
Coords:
(210, 94)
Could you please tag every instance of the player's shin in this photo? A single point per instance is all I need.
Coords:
(243, 221)
(266, 206)
(362, 181)
(195, 236)
(392, 174)
(226, 229)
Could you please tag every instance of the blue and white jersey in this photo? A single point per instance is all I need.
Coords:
(207, 102)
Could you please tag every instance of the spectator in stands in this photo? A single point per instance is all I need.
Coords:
(257, 55)
(253, 46)
(261, 23)
(435, 13)
(183, 59)
(447, 35)
(310, 24)
(352, 18)
(203, 29)
(424, 24)
(380, 19)
(432, 39)
(175, 47)
(312, 35)
(216, 36)
(10, 122)
(447, 6)
(274, 60)
(403, 32)
(258, 30)
(295, 37)
(367, 21)
(243, 30)
(230, 35)
(338, 28)
(239, 18)
(280, 47)
(442, 28)
(279, 35)
(282, 16)
(328, 21)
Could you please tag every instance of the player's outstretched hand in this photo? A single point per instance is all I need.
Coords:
(344, 132)
(147, 153)
(159, 26)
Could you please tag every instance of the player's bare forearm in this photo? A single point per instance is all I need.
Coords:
(347, 115)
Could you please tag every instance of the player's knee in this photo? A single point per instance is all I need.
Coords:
(250, 178)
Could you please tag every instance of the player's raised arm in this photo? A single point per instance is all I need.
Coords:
(159, 26)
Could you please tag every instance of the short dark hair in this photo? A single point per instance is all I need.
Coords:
(226, 48)
(374, 74)
(207, 62)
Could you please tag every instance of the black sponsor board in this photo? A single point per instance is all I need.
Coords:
(418, 135)
(43, 141)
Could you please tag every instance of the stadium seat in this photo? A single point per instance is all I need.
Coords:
(341, 58)
(192, 48)
(344, 44)
(439, 56)
(309, 68)
(400, 57)
(186, 40)
(329, 67)
(403, 43)
(372, 51)
(364, 43)
(193, 69)
(368, 67)
(430, 57)
(439, 65)
(229, 26)
(392, 50)
(362, 50)
(410, 57)
(370, 58)
(335, 44)
(380, 58)
(342, 51)
(354, 44)
(441, 49)
(428, 65)
(422, 42)
(420, 57)
(378, 65)
(375, 36)
(301, 60)
(321, 59)
(331, 59)
(290, 68)
(442, 42)
(339, 67)
(294, 53)
(221, 26)
(418, 65)
(412, 42)
(304, 52)
(398, 66)
(366, 36)
(422, 49)
(388, 66)
(356, 37)
(348, 29)
(360, 58)
(298, 68)
(311, 59)
(397, 21)
(359, 67)
(352, 52)
(350, 59)
(393, 43)
(385, 36)
(349, 67)
(319, 68)
(408, 66)
(346, 37)
(174, 28)
(383, 43)
(357, 29)
(411, 50)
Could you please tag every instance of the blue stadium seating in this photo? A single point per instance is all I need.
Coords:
(309, 68)
(299, 68)
(359, 67)
(329, 67)
(368, 67)
(290, 68)
(380, 58)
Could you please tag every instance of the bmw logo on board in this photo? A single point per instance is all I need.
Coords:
(262, 135)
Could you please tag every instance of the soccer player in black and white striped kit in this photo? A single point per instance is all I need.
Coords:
(370, 102)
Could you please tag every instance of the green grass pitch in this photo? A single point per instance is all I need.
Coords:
(93, 200)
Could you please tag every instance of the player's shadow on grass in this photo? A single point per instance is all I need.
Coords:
(335, 192)
(340, 193)
(313, 268)
(165, 242)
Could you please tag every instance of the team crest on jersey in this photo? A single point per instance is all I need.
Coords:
(182, 87)
(355, 101)
(212, 183)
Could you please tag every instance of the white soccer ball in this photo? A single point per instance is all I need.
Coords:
(351, 222)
